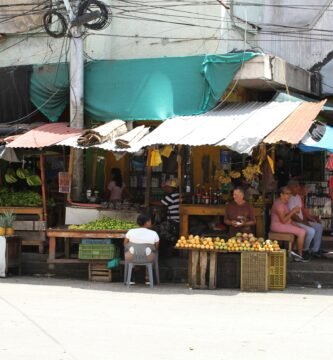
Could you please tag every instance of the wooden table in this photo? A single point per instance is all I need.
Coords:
(13, 253)
(186, 210)
(68, 235)
(30, 237)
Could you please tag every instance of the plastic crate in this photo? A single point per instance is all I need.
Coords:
(96, 241)
(254, 271)
(277, 270)
(228, 271)
(98, 251)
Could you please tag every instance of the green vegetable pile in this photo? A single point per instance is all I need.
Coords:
(105, 224)
(20, 198)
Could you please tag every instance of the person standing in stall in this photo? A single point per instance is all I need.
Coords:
(116, 186)
(168, 229)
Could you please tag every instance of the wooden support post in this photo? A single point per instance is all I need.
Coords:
(42, 175)
(94, 168)
(212, 270)
(179, 162)
(148, 178)
(203, 269)
(194, 254)
(70, 173)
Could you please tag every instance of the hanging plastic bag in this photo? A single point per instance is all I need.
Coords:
(166, 151)
(155, 159)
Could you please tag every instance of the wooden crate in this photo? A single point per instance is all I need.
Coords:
(99, 272)
(254, 271)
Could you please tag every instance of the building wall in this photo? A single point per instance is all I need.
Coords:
(299, 32)
(299, 35)
(136, 31)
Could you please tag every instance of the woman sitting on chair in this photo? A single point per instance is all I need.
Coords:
(281, 220)
(141, 235)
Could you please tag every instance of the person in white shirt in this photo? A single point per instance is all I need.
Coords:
(142, 235)
(314, 230)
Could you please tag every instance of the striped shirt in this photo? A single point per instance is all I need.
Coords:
(171, 201)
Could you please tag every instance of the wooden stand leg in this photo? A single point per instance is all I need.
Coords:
(203, 269)
(194, 268)
(212, 270)
(52, 248)
(67, 247)
(41, 248)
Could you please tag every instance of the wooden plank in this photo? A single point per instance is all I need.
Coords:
(203, 269)
(23, 225)
(42, 176)
(148, 178)
(212, 270)
(39, 225)
(87, 234)
(70, 173)
(67, 261)
(179, 162)
(31, 235)
(24, 210)
(194, 268)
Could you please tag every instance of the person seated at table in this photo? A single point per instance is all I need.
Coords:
(239, 214)
(141, 235)
(281, 221)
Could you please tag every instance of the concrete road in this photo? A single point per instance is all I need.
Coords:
(54, 319)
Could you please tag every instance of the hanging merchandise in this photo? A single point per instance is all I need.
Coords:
(166, 151)
(271, 164)
(64, 182)
(329, 163)
(155, 159)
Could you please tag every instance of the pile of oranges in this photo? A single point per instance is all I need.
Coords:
(240, 242)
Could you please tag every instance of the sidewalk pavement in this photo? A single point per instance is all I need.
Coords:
(62, 319)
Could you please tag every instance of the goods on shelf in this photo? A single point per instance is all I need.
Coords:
(20, 198)
(105, 224)
(240, 242)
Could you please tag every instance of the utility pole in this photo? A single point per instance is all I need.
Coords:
(76, 79)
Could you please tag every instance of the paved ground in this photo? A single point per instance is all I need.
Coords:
(53, 319)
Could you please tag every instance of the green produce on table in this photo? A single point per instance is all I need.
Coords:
(105, 224)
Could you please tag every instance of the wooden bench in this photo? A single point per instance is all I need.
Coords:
(282, 237)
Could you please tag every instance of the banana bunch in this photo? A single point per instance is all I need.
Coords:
(33, 180)
(10, 176)
(22, 173)
(251, 171)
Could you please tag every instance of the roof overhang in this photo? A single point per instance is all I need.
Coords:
(271, 73)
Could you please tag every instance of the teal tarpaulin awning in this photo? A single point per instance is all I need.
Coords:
(139, 89)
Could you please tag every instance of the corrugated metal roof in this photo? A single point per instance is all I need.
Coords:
(294, 127)
(45, 135)
(240, 126)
